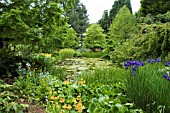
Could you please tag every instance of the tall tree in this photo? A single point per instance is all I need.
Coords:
(27, 22)
(94, 37)
(123, 25)
(116, 7)
(104, 21)
(154, 7)
(78, 18)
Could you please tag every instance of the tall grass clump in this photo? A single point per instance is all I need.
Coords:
(104, 76)
(147, 87)
(66, 53)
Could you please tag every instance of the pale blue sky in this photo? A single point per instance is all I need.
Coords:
(95, 8)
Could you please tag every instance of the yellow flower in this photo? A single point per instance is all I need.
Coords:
(80, 100)
(66, 82)
(81, 79)
(61, 100)
(64, 106)
(55, 92)
(79, 107)
(81, 82)
(57, 106)
(69, 107)
(79, 110)
(78, 97)
(58, 91)
(74, 100)
(47, 55)
(79, 104)
(56, 103)
(54, 98)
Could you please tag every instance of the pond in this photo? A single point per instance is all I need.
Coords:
(75, 66)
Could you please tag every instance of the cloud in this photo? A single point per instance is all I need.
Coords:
(95, 8)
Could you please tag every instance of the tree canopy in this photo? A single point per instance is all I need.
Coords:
(78, 18)
(123, 25)
(154, 7)
(116, 7)
(28, 22)
(104, 21)
(94, 37)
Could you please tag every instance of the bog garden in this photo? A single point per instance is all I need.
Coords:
(52, 60)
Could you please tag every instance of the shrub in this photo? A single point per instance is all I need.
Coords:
(66, 53)
(42, 61)
(92, 54)
(151, 41)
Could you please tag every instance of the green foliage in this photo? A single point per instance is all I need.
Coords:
(122, 26)
(167, 58)
(8, 63)
(42, 61)
(151, 41)
(105, 76)
(71, 97)
(34, 86)
(67, 53)
(71, 40)
(148, 89)
(29, 26)
(94, 37)
(150, 19)
(78, 18)
(64, 37)
(7, 99)
(104, 21)
(154, 7)
(118, 4)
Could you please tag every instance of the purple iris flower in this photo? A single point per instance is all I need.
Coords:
(137, 63)
(149, 60)
(158, 59)
(153, 61)
(143, 63)
(168, 78)
(133, 62)
(134, 68)
(167, 64)
(133, 73)
(165, 75)
(126, 64)
(129, 62)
